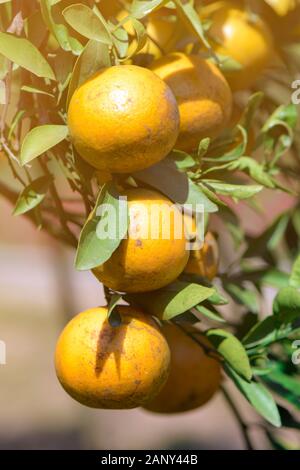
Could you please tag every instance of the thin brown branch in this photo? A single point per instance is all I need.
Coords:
(60, 209)
(12, 197)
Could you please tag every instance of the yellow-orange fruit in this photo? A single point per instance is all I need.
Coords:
(283, 7)
(245, 38)
(204, 262)
(165, 29)
(154, 252)
(113, 367)
(194, 375)
(285, 24)
(202, 93)
(123, 119)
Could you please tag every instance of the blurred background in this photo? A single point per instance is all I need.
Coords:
(39, 291)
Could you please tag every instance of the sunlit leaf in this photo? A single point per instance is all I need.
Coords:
(25, 54)
(32, 195)
(258, 396)
(232, 350)
(40, 139)
(172, 300)
(165, 177)
(94, 57)
(84, 20)
(93, 249)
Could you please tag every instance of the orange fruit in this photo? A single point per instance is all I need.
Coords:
(112, 367)
(204, 261)
(123, 119)
(245, 38)
(147, 261)
(285, 24)
(203, 96)
(194, 376)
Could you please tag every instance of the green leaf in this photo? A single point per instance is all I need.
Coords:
(94, 248)
(234, 190)
(284, 121)
(232, 350)
(183, 160)
(94, 57)
(217, 299)
(254, 169)
(243, 296)
(120, 40)
(253, 104)
(40, 139)
(269, 331)
(210, 313)
(228, 64)
(295, 274)
(280, 444)
(60, 31)
(23, 53)
(283, 114)
(140, 34)
(86, 22)
(290, 383)
(165, 177)
(113, 303)
(274, 278)
(284, 385)
(18, 118)
(203, 147)
(286, 305)
(263, 331)
(288, 421)
(189, 15)
(32, 195)
(141, 8)
(258, 396)
(172, 300)
(30, 89)
(270, 238)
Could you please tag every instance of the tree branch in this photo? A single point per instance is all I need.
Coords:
(242, 425)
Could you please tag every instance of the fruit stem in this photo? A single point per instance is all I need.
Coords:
(242, 425)
(209, 351)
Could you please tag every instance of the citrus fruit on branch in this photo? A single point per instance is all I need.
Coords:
(123, 119)
(203, 96)
(204, 261)
(244, 37)
(113, 367)
(154, 253)
(194, 377)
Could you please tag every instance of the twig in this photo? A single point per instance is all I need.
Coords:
(12, 197)
(59, 206)
(209, 351)
(107, 294)
(242, 425)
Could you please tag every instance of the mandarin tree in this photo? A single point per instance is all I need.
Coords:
(109, 108)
